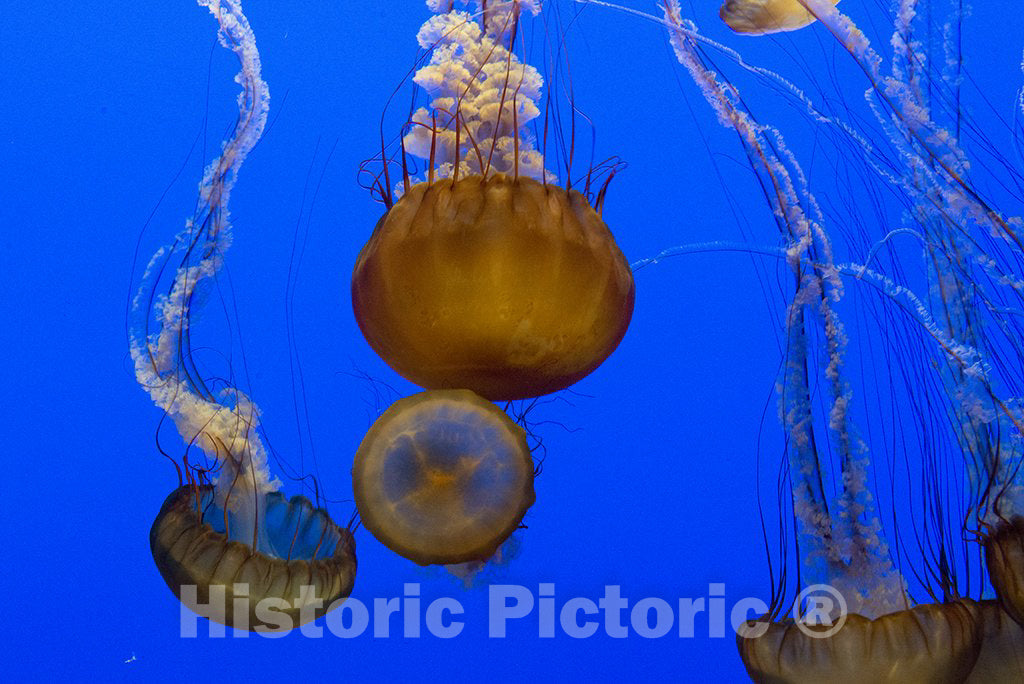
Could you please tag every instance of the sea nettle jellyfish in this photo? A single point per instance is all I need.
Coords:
(229, 545)
(766, 16)
(958, 350)
(487, 274)
(487, 279)
(443, 477)
(890, 521)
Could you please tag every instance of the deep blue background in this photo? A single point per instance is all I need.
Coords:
(651, 483)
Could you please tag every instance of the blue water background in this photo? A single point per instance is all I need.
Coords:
(108, 114)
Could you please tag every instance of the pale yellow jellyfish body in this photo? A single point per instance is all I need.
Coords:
(766, 16)
(443, 477)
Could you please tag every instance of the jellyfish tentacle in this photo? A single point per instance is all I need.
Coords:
(236, 532)
(159, 357)
(844, 546)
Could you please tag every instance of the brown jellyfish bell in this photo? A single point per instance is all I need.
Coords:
(443, 477)
(1004, 556)
(301, 564)
(487, 275)
(1001, 660)
(927, 643)
(506, 286)
(766, 16)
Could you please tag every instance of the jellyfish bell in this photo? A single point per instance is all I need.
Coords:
(506, 286)
(487, 275)
(1004, 556)
(443, 477)
(1001, 658)
(927, 643)
(289, 570)
(766, 16)
(240, 538)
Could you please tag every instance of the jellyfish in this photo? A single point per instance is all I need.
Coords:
(960, 341)
(443, 477)
(766, 16)
(975, 250)
(1004, 557)
(486, 275)
(1001, 658)
(228, 544)
(841, 542)
(485, 280)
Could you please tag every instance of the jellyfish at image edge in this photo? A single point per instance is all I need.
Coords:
(887, 635)
(973, 256)
(226, 533)
(484, 277)
(766, 16)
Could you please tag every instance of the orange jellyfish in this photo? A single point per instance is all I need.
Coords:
(974, 249)
(1004, 556)
(485, 280)
(766, 16)
(486, 275)
(227, 543)
(869, 625)
(443, 477)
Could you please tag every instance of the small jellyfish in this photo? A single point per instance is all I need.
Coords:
(443, 477)
(487, 275)
(298, 565)
(766, 16)
(227, 543)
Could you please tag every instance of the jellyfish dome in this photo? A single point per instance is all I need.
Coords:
(443, 477)
(1004, 555)
(1002, 646)
(766, 16)
(505, 286)
(297, 565)
(927, 643)
(487, 275)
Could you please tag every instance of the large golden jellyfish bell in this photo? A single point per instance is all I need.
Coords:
(488, 276)
(506, 286)
(443, 477)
